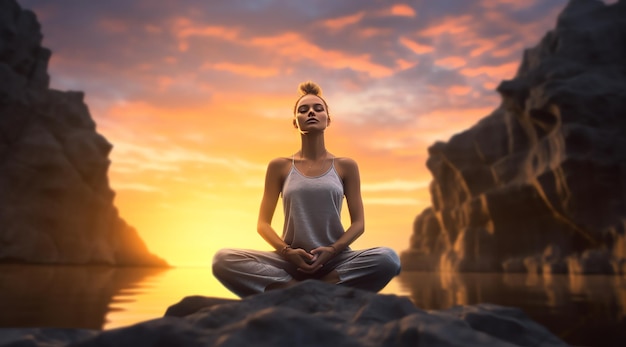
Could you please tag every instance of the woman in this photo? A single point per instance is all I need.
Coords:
(314, 244)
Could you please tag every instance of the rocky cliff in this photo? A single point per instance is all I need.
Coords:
(56, 206)
(539, 184)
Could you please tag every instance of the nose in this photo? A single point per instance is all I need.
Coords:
(311, 114)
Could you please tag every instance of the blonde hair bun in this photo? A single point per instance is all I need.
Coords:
(309, 87)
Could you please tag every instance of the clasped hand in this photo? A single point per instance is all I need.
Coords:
(309, 262)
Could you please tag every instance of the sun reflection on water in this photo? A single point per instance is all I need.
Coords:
(155, 295)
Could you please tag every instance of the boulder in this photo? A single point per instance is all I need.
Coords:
(56, 205)
(314, 313)
(545, 168)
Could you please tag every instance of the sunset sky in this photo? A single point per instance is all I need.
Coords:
(197, 97)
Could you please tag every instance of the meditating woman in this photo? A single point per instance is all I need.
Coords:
(314, 244)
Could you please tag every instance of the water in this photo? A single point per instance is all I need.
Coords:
(582, 310)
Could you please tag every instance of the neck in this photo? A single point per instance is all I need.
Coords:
(313, 146)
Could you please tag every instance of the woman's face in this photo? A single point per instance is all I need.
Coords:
(311, 114)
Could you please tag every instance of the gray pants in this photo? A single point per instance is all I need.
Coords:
(247, 272)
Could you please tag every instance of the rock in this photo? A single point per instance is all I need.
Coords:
(552, 261)
(21, 49)
(44, 337)
(619, 266)
(593, 261)
(314, 313)
(547, 167)
(533, 265)
(56, 206)
(514, 265)
(193, 304)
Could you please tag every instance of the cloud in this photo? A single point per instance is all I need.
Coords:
(335, 24)
(185, 29)
(416, 47)
(392, 201)
(507, 69)
(170, 158)
(393, 185)
(402, 10)
(141, 187)
(293, 47)
(453, 62)
(248, 70)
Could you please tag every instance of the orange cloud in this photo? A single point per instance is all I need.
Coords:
(459, 90)
(294, 47)
(488, 45)
(451, 62)
(507, 51)
(291, 46)
(506, 70)
(402, 10)
(342, 22)
(393, 185)
(448, 25)
(416, 47)
(153, 29)
(511, 4)
(483, 45)
(170, 60)
(372, 32)
(113, 25)
(185, 29)
(490, 85)
(404, 64)
(441, 124)
(164, 82)
(248, 70)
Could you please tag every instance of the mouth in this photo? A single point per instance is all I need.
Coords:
(312, 121)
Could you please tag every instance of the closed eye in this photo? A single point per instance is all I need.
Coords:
(306, 108)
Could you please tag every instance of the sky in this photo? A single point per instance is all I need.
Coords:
(197, 97)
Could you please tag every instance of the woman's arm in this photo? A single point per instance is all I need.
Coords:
(352, 191)
(273, 185)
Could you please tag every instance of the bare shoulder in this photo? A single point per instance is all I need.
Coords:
(346, 167)
(279, 166)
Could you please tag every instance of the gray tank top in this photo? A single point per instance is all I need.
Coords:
(312, 208)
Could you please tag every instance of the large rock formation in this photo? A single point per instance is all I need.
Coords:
(56, 205)
(539, 184)
(313, 313)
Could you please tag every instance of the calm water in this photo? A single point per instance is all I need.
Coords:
(582, 310)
